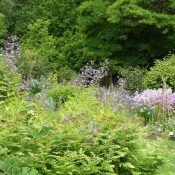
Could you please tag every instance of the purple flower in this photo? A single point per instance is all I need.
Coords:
(89, 75)
(21, 88)
(163, 98)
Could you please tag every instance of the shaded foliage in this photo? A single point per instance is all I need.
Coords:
(127, 32)
(2, 28)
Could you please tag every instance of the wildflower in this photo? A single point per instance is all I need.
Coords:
(21, 88)
(152, 99)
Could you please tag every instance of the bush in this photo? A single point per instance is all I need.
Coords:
(61, 93)
(65, 74)
(133, 79)
(38, 50)
(162, 69)
(86, 138)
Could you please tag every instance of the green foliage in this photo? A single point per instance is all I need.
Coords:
(19, 14)
(167, 151)
(85, 104)
(133, 79)
(28, 62)
(72, 50)
(2, 28)
(91, 13)
(162, 69)
(39, 49)
(84, 137)
(127, 32)
(170, 125)
(39, 38)
(65, 74)
(9, 81)
(61, 93)
(14, 165)
(138, 10)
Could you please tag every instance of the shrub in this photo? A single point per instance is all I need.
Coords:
(133, 79)
(86, 138)
(39, 50)
(27, 63)
(162, 69)
(65, 74)
(61, 93)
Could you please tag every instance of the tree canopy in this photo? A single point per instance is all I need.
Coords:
(127, 32)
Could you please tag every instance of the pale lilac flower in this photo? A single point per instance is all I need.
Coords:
(153, 98)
